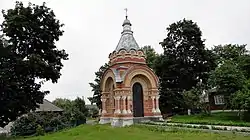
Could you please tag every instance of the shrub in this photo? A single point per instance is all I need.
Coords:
(23, 126)
(93, 112)
(4, 136)
(40, 131)
(77, 117)
(28, 124)
(74, 114)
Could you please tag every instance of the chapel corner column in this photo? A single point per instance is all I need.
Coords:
(157, 110)
(153, 104)
(129, 102)
(103, 100)
(124, 111)
(117, 104)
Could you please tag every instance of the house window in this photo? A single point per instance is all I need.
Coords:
(219, 100)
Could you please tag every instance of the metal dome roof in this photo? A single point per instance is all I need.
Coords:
(127, 41)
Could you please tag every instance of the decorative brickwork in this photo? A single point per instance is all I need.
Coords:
(121, 102)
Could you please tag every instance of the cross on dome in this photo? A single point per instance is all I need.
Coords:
(126, 10)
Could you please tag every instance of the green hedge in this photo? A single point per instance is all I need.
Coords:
(37, 123)
(243, 124)
(219, 118)
(194, 126)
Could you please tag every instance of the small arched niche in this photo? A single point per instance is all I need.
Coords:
(109, 91)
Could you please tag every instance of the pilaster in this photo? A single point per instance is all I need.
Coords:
(153, 104)
(128, 104)
(117, 103)
(124, 111)
(103, 105)
(157, 110)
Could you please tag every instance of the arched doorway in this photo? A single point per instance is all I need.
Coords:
(138, 110)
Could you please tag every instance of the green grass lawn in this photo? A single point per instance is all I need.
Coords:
(106, 132)
(220, 118)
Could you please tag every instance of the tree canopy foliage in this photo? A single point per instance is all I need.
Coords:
(241, 99)
(184, 63)
(74, 110)
(231, 76)
(227, 79)
(27, 54)
(229, 52)
(151, 56)
(235, 53)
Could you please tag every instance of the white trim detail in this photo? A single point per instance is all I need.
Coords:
(128, 104)
(153, 104)
(103, 106)
(157, 104)
(118, 105)
(219, 100)
(124, 111)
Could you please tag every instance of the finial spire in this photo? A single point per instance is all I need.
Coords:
(126, 10)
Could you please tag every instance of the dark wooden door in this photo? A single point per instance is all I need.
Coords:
(138, 110)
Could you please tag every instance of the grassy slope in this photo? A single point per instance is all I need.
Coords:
(106, 132)
(222, 118)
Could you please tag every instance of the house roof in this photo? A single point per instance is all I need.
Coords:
(91, 106)
(212, 90)
(48, 106)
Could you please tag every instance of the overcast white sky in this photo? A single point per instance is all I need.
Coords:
(93, 27)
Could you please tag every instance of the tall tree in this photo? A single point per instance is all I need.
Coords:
(236, 53)
(229, 52)
(244, 65)
(79, 103)
(65, 104)
(241, 100)
(74, 110)
(151, 56)
(184, 63)
(91, 100)
(233, 69)
(228, 79)
(30, 55)
(96, 86)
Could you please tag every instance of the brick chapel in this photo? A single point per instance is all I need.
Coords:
(129, 87)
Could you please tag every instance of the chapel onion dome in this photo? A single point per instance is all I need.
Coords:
(127, 48)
